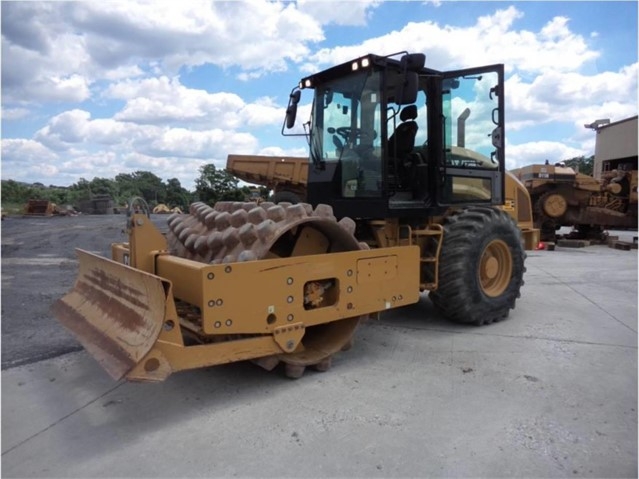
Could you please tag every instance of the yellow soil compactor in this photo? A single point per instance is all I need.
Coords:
(392, 209)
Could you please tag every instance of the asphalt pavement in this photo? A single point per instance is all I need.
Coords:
(550, 392)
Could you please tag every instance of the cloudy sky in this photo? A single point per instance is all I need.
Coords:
(93, 89)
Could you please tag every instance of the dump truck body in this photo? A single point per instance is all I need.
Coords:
(277, 173)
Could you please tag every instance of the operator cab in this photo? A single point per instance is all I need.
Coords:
(381, 137)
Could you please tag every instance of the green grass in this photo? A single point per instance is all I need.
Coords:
(10, 209)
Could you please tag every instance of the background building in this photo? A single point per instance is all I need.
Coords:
(616, 145)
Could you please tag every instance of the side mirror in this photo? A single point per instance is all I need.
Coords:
(413, 62)
(291, 110)
(408, 93)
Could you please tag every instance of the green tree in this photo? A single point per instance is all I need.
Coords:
(582, 164)
(57, 195)
(176, 195)
(79, 192)
(141, 183)
(151, 186)
(103, 186)
(14, 192)
(216, 185)
(127, 187)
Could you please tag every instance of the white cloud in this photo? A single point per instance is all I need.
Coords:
(572, 97)
(492, 39)
(538, 152)
(16, 150)
(200, 144)
(339, 12)
(278, 151)
(75, 127)
(74, 145)
(162, 100)
(123, 72)
(262, 112)
(24, 159)
(14, 113)
(94, 41)
(68, 127)
(166, 101)
(29, 77)
(41, 61)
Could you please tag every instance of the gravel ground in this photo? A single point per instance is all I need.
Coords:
(39, 266)
(550, 392)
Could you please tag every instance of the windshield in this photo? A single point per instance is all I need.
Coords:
(345, 128)
(345, 114)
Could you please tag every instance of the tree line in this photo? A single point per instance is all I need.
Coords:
(583, 164)
(212, 185)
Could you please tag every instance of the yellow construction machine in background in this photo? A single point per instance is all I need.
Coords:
(163, 209)
(563, 197)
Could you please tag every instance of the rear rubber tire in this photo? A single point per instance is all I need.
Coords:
(481, 266)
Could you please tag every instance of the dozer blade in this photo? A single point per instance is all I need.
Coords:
(116, 312)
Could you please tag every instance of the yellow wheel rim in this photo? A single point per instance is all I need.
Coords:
(555, 205)
(495, 268)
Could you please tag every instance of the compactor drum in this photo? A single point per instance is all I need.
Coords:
(233, 231)
(390, 208)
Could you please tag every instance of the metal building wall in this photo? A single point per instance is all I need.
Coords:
(616, 141)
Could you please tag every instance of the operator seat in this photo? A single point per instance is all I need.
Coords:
(400, 145)
(402, 141)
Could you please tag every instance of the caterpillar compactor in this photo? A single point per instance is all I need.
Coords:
(393, 209)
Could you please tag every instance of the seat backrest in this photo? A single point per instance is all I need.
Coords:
(402, 141)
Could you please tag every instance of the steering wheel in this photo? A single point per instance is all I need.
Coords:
(347, 132)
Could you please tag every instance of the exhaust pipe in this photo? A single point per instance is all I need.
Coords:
(461, 128)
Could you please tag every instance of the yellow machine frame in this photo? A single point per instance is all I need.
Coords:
(139, 302)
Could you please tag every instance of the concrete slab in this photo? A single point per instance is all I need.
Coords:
(551, 392)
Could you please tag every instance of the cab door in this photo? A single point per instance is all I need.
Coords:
(473, 161)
